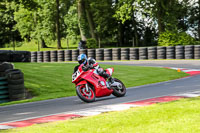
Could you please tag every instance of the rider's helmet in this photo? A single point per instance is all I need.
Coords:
(82, 59)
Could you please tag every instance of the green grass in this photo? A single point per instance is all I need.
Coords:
(53, 80)
(173, 117)
(33, 46)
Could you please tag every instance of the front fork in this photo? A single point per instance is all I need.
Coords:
(87, 88)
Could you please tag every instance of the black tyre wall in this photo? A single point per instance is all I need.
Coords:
(91, 53)
(143, 54)
(197, 52)
(170, 52)
(152, 53)
(107, 54)
(46, 56)
(116, 54)
(189, 52)
(68, 55)
(125, 53)
(100, 54)
(161, 52)
(180, 52)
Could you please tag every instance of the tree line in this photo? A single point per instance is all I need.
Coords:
(105, 22)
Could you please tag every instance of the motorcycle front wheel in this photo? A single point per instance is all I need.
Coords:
(84, 94)
(119, 92)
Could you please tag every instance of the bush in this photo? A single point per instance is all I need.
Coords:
(170, 38)
(91, 43)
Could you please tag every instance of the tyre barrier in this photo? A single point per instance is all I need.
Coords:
(75, 54)
(91, 53)
(125, 53)
(161, 52)
(116, 54)
(4, 95)
(68, 55)
(15, 56)
(179, 51)
(40, 56)
(20, 56)
(53, 56)
(33, 56)
(143, 54)
(16, 87)
(46, 56)
(83, 51)
(4, 67)
(152, 53)
(134, 54)
(197, 52)
(100, 54)
(170, 52)
(5, 55)
(189, 52)
(107, 54)
(61, 56)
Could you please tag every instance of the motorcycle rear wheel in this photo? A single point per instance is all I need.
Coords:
(119, 92)
(84, 95)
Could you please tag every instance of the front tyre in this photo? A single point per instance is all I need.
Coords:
(83, 94)
(119, 92)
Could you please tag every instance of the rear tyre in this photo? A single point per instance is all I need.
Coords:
(83, 94)
(119, 92)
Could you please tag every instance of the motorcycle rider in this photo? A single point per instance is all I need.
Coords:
(90, 63)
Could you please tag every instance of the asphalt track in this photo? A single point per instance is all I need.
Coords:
(71, 104)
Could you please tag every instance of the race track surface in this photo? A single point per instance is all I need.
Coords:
(70, 104)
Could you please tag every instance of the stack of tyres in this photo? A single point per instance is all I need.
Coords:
(5, 66)
(68, 55)
(152, 53)
(53, 56)
(180, 52)
(4, 96)
(46, 56)
(16, 87)
(100, 54)
(161, 52)
(116, 54)
(91, 53)
(197, 52)
(143, 54)
(40, 56)
(170, 52)
(34, 56)
(107, 54)
(134, 54)
(125, 53)
(5, 55)
(75, 54)
(61, 56)
(83, 51)
(189, 52)
(20, 56)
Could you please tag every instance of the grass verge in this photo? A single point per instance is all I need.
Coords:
(173, 117)
(53, 80)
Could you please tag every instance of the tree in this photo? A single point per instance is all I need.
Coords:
(7, 32)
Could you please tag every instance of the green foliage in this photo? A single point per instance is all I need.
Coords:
(91, 43)
(170, 38)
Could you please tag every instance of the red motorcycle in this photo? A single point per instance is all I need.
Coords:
(89, 85)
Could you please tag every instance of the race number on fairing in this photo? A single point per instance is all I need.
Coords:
(75, 75)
